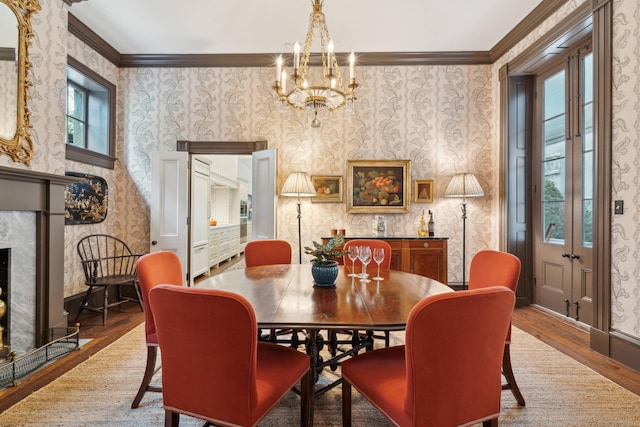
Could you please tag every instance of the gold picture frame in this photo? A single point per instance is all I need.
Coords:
(423, 190)
(378, 186)
(15, 140)
(328, 188)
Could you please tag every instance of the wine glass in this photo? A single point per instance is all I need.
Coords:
(353, 256)
(378, 257)
(364, 255)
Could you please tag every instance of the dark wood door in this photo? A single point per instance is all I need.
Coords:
(563, 188)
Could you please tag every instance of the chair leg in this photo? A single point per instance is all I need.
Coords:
(84, 302)
(386, 338)
(106, 304)
(490, 423)
(346, 404)
(306, 400)
(149, 370)
(171, 419)
(136, 286)
(508, 374)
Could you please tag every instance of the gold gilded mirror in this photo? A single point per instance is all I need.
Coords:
(15, 33)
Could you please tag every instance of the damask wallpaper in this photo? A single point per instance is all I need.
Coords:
(625, 229)
(442, 118)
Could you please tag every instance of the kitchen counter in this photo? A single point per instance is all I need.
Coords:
(219, 226)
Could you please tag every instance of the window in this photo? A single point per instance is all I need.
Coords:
(90, 116)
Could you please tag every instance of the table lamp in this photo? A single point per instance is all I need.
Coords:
(298, 184)
(464, 185)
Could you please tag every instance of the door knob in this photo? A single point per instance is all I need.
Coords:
(566, 255)
(574, 256)
(154, 242)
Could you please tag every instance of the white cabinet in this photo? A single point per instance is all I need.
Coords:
(224, 243)
(243, 189)
(199, 217)
(224, 170)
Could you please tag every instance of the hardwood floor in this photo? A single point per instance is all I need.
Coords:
(573, 340)
(563, 335)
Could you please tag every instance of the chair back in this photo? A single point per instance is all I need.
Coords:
(494, 268)
(454, 345)
(372, 243)
(208, 341)
(155, 269)
(103, 255)
(267, 252)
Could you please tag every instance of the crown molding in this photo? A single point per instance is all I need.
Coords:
(267, 59)
(91, 39)
(525, 27)
(528, 24)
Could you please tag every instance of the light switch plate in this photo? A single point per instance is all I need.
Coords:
(618, 207)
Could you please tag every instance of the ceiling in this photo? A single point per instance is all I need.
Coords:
(262, 26)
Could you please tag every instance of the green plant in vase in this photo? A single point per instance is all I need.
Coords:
(324, 268)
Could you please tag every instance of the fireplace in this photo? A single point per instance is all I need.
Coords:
(32, 236)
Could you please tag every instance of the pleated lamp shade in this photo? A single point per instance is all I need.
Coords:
(298, 184)
(464, 185)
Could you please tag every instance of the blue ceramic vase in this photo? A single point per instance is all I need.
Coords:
(325, 275)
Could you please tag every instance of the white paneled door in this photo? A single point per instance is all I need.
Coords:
(264, 194)
(169, 204)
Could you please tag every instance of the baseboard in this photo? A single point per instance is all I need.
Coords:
(625, 349)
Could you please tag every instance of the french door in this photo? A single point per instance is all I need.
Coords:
(563, 187)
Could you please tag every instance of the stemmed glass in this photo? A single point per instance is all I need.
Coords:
(353, 256)
(364, 255)
(378, 257)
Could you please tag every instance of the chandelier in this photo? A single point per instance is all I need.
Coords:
(315, 94)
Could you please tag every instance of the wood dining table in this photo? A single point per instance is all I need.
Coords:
(285, 297)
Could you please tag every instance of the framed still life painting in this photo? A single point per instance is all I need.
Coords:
(378, 186)
(328, 188)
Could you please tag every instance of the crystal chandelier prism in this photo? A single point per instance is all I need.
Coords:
(305, 90)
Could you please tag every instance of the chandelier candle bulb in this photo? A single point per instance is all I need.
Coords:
(279, 68)
(330, 56)
(296, 57)
(352, 67)
(283, 83)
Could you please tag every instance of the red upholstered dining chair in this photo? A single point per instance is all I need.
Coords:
(213, 367)
(495, 268)
(154, 269)
(448, 371)
(267, 252)
(270, 252)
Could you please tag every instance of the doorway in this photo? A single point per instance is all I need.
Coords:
(563, 183)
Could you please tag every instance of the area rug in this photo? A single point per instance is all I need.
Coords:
(558, 390)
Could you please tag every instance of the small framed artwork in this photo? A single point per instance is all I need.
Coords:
(378, 186)
(86, 200)
(328, 188)
(423, 191)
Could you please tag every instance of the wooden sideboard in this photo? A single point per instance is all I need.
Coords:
(426, 257)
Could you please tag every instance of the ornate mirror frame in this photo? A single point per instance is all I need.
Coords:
(20, 147)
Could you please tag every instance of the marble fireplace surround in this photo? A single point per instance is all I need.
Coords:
(43, 195)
